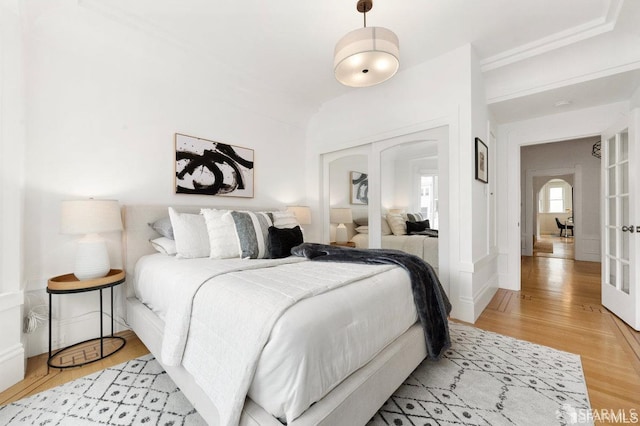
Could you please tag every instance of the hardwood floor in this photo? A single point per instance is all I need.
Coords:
(38, 379)
(559, 306)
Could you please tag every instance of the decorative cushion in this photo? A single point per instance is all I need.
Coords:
(414, 217)
(163, 227)
(164, 245)
(417, 226)
(281, 241)
(397, 224)
(362, 229)
(253, 233)
(190, 232)
(221, 230)
(284, 220)
(386, 230)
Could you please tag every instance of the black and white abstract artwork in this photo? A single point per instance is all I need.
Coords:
(359, 188)
(206, 167)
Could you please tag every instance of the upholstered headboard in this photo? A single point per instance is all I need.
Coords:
(137, 231)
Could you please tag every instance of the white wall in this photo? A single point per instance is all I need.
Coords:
(511, 137)
(429, 95)
(12, 136)
(104, 102)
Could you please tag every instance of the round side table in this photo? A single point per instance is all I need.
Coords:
(91, 350)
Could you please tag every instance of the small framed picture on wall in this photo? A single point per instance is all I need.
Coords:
(482, 161)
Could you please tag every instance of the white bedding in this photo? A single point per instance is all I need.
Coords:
(312, 346)
(418, 245)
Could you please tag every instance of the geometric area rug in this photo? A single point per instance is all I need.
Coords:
(491, 379)
(484, 379)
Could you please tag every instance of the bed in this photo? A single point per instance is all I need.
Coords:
(394, 236)
(371, 376)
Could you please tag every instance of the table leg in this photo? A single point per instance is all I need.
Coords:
(50, 308)
(111, 311)
(101, 338)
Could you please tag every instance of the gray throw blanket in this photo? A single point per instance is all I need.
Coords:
(431, 301)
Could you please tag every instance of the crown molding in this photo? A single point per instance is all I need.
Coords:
(555, 41)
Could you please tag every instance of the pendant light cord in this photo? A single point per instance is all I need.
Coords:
(365, 18)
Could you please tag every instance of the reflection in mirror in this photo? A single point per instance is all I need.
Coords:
(348, 197)
(409, 196)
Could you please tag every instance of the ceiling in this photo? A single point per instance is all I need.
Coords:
(289, 44)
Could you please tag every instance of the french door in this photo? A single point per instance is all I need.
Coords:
(621, 227)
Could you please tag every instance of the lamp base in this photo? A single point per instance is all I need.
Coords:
(341, 233)
(92, 258)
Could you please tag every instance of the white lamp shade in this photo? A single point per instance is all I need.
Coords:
(366, 57)
(90, 216)
(341, 215)
(302, 214)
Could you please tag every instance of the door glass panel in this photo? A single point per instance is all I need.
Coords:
(612, 272)
(625, 209)
(612, 150)
(612, 211)
(612, 181)
(625, 246)
(624, 145)
(625, 278)
(624, 178)
(612, 241)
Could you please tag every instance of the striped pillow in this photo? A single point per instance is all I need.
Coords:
(415, 217)
(253, 233)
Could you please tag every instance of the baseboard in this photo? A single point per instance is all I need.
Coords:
(470, 309)
(11, 366)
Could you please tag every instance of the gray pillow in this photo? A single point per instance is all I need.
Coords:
(163, 227)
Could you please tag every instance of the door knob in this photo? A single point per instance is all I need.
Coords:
(629, 228)
(625, 228)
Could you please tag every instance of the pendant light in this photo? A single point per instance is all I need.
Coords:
(366, 56)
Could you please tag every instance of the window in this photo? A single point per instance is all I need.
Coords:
(429, 199)
(556, 200)
(556, 196)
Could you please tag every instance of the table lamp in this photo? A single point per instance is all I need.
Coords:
(341, 216)
(89, 218)
(302, 214)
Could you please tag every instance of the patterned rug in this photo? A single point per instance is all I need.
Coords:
(484, 379)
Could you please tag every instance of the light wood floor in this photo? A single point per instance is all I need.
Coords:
(559, 306)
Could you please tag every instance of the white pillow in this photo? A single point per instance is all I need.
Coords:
(190, 233)
(385, 226)
(284, 220)
(164, 245)
(221, 230)
(397, 224)
(364, 229)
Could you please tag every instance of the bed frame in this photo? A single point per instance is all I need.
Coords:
(353, 402)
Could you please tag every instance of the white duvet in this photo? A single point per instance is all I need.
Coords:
(306, 349)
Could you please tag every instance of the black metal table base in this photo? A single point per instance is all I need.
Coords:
(81, 354)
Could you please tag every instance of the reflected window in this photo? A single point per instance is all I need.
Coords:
(429, 199)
